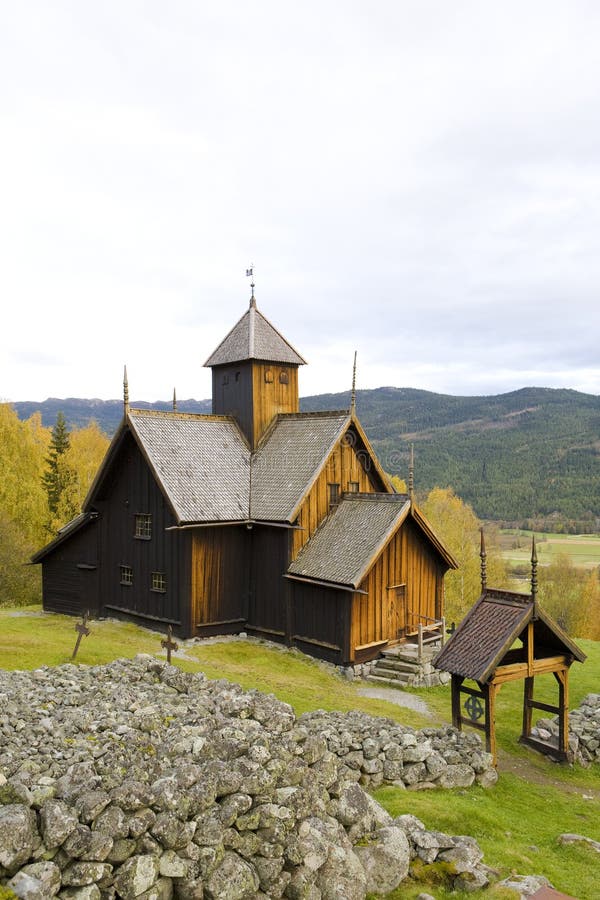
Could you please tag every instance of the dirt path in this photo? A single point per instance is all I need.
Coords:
(529, 771)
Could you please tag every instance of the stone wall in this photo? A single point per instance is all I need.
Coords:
(375, 751)
(136, 780)
(584, 730)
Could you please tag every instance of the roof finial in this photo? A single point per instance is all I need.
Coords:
(534, 562)
(250, 274)
(411, 472)
(483, 557)
(125, 392)
(174, 401)
(353, 392)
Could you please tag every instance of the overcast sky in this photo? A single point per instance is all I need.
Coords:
(418, 180)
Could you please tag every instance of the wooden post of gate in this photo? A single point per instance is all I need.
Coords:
(82, 631)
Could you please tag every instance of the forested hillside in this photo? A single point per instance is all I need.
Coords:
(531, 455)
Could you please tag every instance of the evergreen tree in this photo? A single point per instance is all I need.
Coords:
(59, 477)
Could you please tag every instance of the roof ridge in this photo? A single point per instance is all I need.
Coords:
(173, 414)
(373, 496)
(315, 414)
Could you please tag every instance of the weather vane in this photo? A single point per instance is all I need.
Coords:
(250, 274)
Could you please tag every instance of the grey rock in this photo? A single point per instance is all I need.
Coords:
(341, 875)
(47, 874)
(18, 836)
(79, 874)
(385, 859)
(233, 879)
(136, 875)
(57, 821)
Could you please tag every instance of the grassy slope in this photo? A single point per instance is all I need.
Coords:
(516, 822)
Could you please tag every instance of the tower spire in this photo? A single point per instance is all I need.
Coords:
(174, 401)
(250, 274)
(353, 392)
(534, 563)
(411, 473)
(125, 392)
(483, 557)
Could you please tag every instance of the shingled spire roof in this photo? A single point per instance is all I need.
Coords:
(253, 337)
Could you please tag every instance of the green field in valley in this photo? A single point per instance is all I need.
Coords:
(582, 549)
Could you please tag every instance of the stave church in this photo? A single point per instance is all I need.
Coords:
(257, 518)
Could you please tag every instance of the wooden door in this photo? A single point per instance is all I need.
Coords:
(396, 624)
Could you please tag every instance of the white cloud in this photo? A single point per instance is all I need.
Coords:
(417, 180)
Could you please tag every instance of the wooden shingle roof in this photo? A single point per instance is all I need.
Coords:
(344, 547)
(289, 458)
(254, 337)
(496, 620)
(202, 463)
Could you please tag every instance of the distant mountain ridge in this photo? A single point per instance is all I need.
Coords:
(528, 454)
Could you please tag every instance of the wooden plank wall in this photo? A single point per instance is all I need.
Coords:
(268, 613)
(320, 622)
(405, 560)
(130, 489)
(344, 465)
(424, 575)
(232, 394)
(66, 588)
(243, 391)
(219, 579)
(274, 396)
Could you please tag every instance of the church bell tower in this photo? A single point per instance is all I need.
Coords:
(254, 374)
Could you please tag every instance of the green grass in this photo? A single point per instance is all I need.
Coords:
(516, 825)
(516, 822)
(582, 549)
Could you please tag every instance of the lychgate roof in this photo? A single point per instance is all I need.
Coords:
(344, 547)
(201, 462)
(253, 337)
(490, 628)
(289, 458)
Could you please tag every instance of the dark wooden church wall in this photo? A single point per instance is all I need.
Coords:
(130, 490)
(232, 393)
(70, 574)
(219, 579)
(319, 621)
(269, 591)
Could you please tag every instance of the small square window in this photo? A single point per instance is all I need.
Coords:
(284, 377)
(333, 491)
(353, 487)
(143, 526)
(126, 575)
(159, 582)
(268, 376)
(225, 379)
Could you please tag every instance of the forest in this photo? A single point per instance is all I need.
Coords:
(47, 471)
(528, 459)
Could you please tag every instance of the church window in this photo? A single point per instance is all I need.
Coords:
(353, 487)
(268, 376)
(284, 377)
(237, 376)
(159, 582)
(225, 379)
(126, 575)
(143, 526)
(333, 491)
